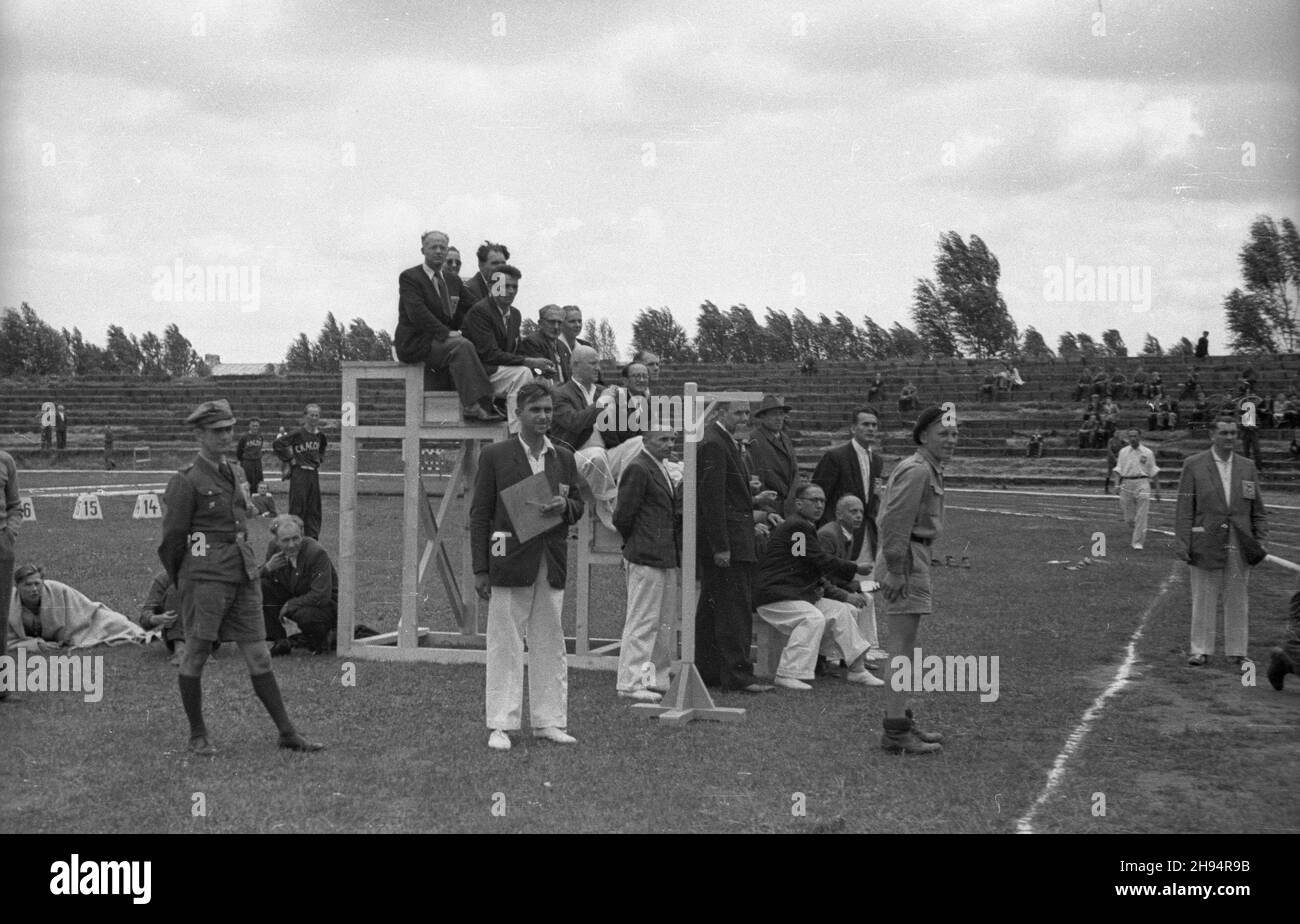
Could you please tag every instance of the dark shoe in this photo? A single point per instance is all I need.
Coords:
(297, 742)
(281, 647)
(929, 737)
(478, 415)
(1199, 660)
(200, 747)
(821, 669)
(900, 739)
(1279, 665)
(1238, 660)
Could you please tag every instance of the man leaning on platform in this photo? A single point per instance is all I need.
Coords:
(424, 331)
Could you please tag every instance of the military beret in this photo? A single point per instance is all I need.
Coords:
(212, 415)
(928, 416)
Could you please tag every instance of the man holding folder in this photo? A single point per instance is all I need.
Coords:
(525, 499)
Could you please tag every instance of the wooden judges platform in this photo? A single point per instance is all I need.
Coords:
(426, 531)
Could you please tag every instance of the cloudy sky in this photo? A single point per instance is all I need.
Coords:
(791, 155)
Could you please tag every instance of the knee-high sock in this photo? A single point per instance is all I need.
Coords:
(192, 699)
(268, 691)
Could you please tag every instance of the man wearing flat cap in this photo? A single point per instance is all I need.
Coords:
(206, 553)
(771, 453)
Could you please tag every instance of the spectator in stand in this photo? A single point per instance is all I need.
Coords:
(1088, 431)
(1281, 408)
(1175, 417)
(651, 361)
(492, 326)
(491, 257)
(1191, 386)
(876, 389)
(1034, 448)
(47, 416)
(1118, 386)
(1203, 345)
(1155, 383)
(425, 334)
(1083, 387)
(989, 388)
(907, 400)
(109, 462)
(1109, 416)
(61, 427)
(1101, 383)
(547, 343)
(1016, 381)
(808, 366)
(1201, 412)
(1248, 416)
(1162, 411)
(1139, 388)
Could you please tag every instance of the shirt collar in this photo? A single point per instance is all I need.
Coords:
(547, 446)
(718, 424)
(428, 272)
(848, 534)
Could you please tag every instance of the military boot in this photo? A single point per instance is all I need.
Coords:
(899, 739)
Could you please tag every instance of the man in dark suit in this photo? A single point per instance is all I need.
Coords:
(459, 301)
(546, 343)
(1219, 526)
(298, 583)
(491, 257)
(576, 410)
(648, 516)
(425, 332)
(727, 558)
(855, 468)
(524, 582)
(572, 336)
(772, 453)
(492, 326)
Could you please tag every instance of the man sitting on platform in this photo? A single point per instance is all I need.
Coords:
(425, 332)
(298, 583)
(492, 326)
(546, 343)
(788, 595)
(576, 410)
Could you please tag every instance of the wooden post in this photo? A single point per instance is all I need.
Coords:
(347, 518)
(688, 699)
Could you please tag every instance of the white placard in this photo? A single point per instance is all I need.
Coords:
(87, 508)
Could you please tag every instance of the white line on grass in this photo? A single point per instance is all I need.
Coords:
(1025, 824)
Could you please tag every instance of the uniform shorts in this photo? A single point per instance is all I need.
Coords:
(919, 600)
(215, 611)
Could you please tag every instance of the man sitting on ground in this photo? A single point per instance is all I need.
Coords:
(160, 610)
(46, 615)
(263, 502)
(788, 596)
(298, 583)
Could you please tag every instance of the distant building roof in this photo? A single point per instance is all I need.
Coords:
(244, 369)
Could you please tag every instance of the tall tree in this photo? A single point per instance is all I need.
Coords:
(300, 356)
(1034, 346)
(1114, 343)
(1183, 348)
(1270, 267)
(905, 343)
(711, 332)
(30, 346)
(1151, 347)
(934, 319)
(329, 351)
(851, 340)
(360, 343)
(123, 352)
(1251, 331)
(602, 335)
(1088, 348)
(656, 330)
(527, 327)
(778, 333)
(1067, 347)
(151, 355)
(876, 341)
(746, 341)
(179, 356)
(965, 300)
(87, 358)
(805, 336)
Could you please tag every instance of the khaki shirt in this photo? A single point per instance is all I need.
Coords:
(912, 507)
(205, 536)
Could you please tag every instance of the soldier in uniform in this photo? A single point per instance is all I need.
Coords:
(249, 453)
(303, 450)
(206, 553)
(911, 519)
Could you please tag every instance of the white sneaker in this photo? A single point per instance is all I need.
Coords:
(1138, 546)
(865, 677)
(876, 654)
(499, 740)
(554, 734)
(641, 696)
(790, 683)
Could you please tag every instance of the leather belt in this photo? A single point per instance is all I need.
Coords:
(1127, 477)
(215, 538)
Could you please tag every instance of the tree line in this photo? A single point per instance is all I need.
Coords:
(30, 346)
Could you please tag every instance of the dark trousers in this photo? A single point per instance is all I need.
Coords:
(458, 356)
(304, 500)
(47, 437)
(253, 472)
(724, 625)
(6, 569)
(63, 439)
(315, 622)
(1250, 445)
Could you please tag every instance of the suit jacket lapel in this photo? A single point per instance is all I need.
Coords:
(855, 470)
(1213, 465)
(432, 291)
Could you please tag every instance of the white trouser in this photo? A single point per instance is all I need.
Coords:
(805, 623)
(506, 382)
(844, 636)
(866, 620)
(1230, 583)
(647, 646)
(1134, 502)
(516, 613)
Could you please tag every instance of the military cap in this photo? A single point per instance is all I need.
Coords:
(212, 415)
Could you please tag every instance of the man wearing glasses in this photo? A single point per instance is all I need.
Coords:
(546, 343)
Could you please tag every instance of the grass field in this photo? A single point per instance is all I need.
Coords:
(1177, 750)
